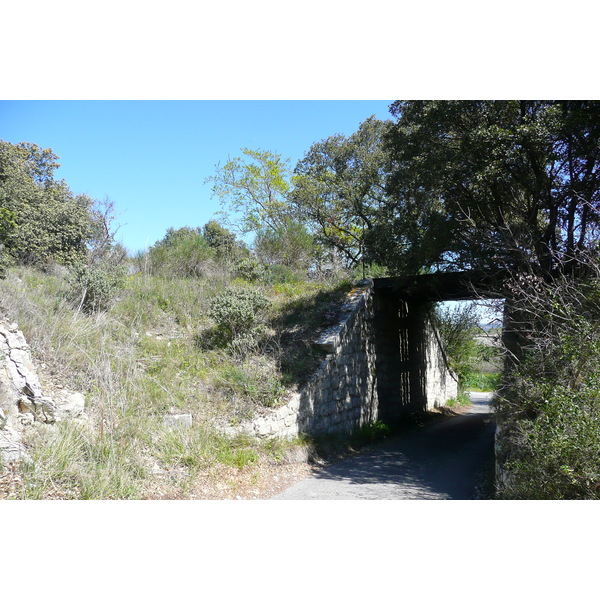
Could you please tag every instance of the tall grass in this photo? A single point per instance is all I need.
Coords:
(137, 362)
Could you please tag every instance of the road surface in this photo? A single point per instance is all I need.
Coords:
(448, 459)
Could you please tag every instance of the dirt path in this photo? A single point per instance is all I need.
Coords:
(444, 460)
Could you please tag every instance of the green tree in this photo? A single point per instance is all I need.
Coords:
(183, 252)
(253, 190)
(223, 241)
(7, 224)
(50, 222)
(458, 324)
(339, 187)
(290, 245)
(511, 184)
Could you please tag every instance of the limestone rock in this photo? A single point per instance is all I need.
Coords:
(22, 401)
(177, 421)
(11, 449)
(69, 405)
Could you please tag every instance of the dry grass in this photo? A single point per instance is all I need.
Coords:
(140, 361)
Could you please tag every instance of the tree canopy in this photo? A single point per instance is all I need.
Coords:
(339, 187)
(253, 188)
(510, 184)
(42, 220)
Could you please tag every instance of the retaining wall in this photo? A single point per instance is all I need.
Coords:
(356, 383)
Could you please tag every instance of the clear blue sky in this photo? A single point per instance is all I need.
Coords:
(151, 157)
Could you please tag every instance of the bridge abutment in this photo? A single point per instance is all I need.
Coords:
(384, 361)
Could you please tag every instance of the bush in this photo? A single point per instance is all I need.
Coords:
(557, 454)
(250, 270)
(282, 274)
(290, 244)
(457, 327)
(93, 288)
(223, 241)
(182, 253)
(549, 402)
(237, 313)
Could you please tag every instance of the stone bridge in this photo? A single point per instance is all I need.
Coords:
(384, 359)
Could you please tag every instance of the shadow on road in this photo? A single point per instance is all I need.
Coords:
(447, 459)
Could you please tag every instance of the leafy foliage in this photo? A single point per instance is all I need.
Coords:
(254, 188)
(93, 287)
(223, 241)
(339, 188)
(491, 184)
(458, 326)
(48, 222)
(182, 252)
(238, 314)
(549, 403)
(290, 244)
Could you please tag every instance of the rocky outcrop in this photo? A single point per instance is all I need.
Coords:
(22, 401)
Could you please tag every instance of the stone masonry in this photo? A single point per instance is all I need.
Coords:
(352, 386)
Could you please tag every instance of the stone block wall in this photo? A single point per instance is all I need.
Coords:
(441, 383)
(365, 374)
(341, 395)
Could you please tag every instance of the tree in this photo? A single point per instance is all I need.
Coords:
(457, 326)
(290, 245)
(339, 187)
(256, 188)
(50, 222)
(253, 189)
(223, 241)
(510, 184)
(7, 224)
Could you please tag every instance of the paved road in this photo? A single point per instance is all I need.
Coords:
(444, 460)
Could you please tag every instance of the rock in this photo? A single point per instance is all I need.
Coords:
(11, 449)
(177, 421)
(43, 408)
(69, 405)
(22, 401)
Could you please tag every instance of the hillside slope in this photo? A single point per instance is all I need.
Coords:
(158, 380)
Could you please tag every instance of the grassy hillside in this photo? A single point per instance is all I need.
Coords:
(157, 350)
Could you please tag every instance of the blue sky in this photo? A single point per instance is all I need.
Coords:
(151, 157)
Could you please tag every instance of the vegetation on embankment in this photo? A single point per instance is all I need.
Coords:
(152, 353)
(501, 186)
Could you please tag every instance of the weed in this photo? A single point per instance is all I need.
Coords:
(462, 399)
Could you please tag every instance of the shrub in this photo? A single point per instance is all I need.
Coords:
(182, 253)
(223, 241)
(457, 326)
(93, 287)
(549, 402)
(237, 313)
(283, 274)
(250, 270)
(289, 244)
